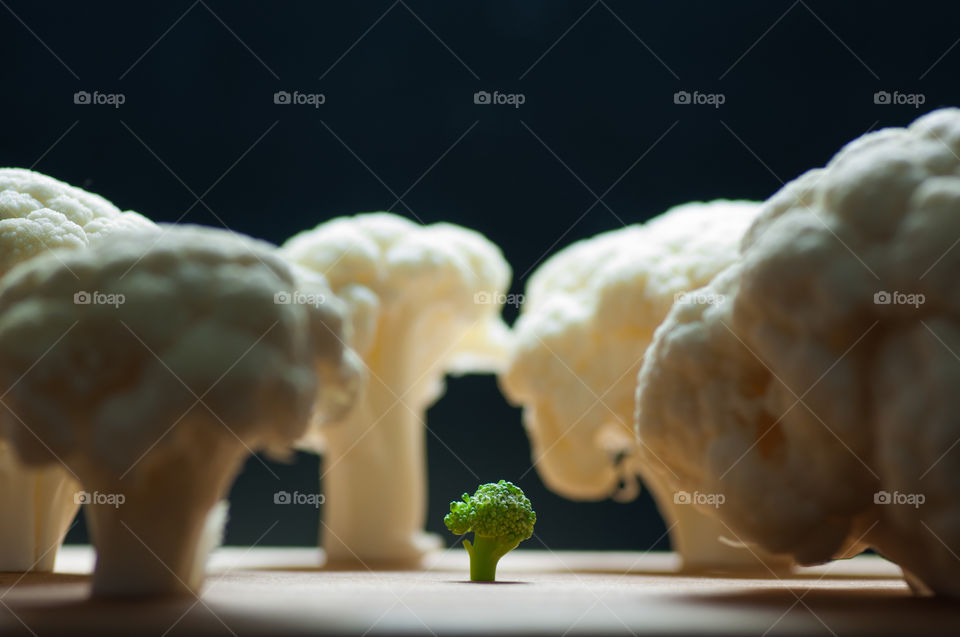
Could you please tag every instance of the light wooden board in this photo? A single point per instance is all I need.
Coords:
(275, 591)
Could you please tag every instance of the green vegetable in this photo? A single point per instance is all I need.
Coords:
(500, 517)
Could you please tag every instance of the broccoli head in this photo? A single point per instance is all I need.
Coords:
(500, 517)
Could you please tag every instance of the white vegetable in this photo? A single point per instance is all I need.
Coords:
(589, 314)
(425, 301)
(38, 505)
(39, 214)
(820, 395)
(155, 391)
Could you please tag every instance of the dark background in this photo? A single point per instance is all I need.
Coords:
(199, 139)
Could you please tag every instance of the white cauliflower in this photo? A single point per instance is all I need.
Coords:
(38, 214)
(39, 505)
(425, 301)
(819, 395)
(151, 366)
(588, 316)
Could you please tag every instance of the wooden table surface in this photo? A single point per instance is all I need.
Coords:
(281, 591)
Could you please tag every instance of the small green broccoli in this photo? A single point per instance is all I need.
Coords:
(500, 517)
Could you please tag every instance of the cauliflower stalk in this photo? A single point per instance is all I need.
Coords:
(40, 505)
(589, 315)
(425, 301)
(500, 517)
(157, 388)
(38, 214)
(819, 394)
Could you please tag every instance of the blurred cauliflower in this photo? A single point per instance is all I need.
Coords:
(425, 301)
(152, 366)
(38, 214)
(589, 314)
(819, 395)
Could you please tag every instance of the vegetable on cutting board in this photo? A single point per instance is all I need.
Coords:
(424, 301)
(589, 314)
(151, 366)
(500, 517)
(819, 394)
(38, 214)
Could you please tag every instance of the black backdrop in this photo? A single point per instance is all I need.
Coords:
(599, 140)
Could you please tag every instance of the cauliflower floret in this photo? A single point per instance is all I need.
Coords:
(589, 314)
(39, 214)
(817, 395)
(425, 301)
(150, 366)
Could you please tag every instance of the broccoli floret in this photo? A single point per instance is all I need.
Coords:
(500, 517)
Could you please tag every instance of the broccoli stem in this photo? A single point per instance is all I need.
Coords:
(485, 553)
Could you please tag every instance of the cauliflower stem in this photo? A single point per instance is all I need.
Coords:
(45, 505)
(160, 536)
(376, 457)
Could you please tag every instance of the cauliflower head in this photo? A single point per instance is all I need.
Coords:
(424, 301)
(151, 366)
(39, 214)
(589, 314)
(816, 395)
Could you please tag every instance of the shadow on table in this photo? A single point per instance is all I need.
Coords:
(863, 610)
(19, 580)
(734, 575)
(74, 614)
